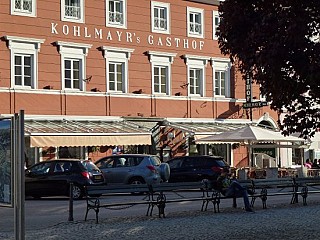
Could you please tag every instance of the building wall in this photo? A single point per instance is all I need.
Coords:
(47, 25)
(49, 97)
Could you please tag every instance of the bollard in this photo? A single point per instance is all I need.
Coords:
(71, 202)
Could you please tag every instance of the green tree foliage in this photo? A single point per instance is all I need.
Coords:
(276, 43)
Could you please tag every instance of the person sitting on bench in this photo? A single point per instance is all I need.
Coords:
(232, 188)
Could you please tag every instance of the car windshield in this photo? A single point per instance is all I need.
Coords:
(155, 161)
(90, 166)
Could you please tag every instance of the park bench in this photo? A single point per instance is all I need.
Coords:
(264, 188)
(165, 193)
(155, 195)
(260, 188)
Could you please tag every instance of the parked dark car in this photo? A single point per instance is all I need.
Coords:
(133, 169)
(53, 177)
(196, 168)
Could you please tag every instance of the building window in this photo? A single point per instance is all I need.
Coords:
(196, 74)
(195, 81)
(160, 79)
(161, 71)
(117, 60)
(160, 14)
(116, 13)
(221, 73)
(24, 61)
(73, 59)
(116, 74)
(72, 73)
(23, 73)
(195, 22)
(72, 10)
(220, 83)
(23, 7)
(216, 23)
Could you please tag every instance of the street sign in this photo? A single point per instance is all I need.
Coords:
(255, 104)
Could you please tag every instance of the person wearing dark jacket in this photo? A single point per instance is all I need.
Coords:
(232, 188)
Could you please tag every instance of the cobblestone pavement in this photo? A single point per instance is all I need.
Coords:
(276, 222)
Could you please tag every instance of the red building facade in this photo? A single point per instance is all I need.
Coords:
(141, 61)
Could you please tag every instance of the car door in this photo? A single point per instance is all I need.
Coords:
(37, 180)
(114, 168)
(59, 179)
(189, 170)
(176, 172)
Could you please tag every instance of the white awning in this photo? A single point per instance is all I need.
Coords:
(202, 129)
(82, 132)
(89, 140)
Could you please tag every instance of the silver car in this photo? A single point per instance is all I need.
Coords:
(133, 169)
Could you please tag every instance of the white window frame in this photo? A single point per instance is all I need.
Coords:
(117, 55)
(70, 50)
(22, 12)
(124, 15)
(116, 80)
(215, 17)
(221, 64)
(166, 6)
(66, 18)
(72, 59)
(24, 46)
(197, 62)
(191, 85)
(161, 59)
(191, 10)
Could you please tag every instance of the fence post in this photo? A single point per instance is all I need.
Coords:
(71, 202)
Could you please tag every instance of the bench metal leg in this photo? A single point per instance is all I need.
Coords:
(294, 198)
(95, 206)
(85, 218)
(150, 209)
(215, 199)
(264, 194)
(161, 204)
(96, 209)
(304, 194)
(253, 199)
(97, 215)
(204, 203)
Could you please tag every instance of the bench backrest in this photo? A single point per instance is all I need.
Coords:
(273, 183)
(180, 186)
(307, 181)
(161, 187)
(116, 189)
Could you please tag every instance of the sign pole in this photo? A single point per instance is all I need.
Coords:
(19, 187)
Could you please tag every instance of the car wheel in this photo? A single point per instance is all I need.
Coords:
(204, 179)
(77, 192)
(164, 170)
(137, 181)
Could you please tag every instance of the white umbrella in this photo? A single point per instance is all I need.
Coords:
(250, 134)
